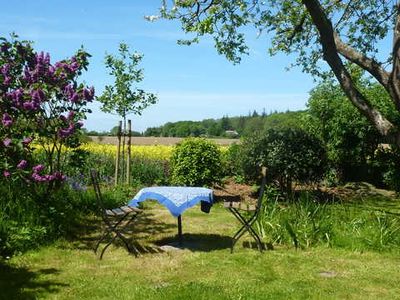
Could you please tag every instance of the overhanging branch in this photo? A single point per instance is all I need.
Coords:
(368, 64)
(331, 55)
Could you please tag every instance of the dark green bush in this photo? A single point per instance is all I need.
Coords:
(386, 163)
(289, 155)
(232, 161)
(196, 162)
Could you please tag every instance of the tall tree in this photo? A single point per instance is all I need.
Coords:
(338, 31)
(123, 97)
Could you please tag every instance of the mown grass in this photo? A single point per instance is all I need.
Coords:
(203, 269)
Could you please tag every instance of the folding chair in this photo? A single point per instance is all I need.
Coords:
(237, 209)
(115, 220)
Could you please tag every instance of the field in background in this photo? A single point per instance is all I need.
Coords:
(170, 141)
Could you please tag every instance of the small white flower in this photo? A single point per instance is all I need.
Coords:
(151, 18)
(137, 55)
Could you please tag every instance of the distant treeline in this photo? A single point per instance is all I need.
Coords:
(227, 126)
(112, 132)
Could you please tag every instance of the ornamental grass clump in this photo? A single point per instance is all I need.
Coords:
(196, 162)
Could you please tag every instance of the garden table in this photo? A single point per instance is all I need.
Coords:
(177, 199)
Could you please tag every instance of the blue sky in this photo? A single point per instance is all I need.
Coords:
(192, 83)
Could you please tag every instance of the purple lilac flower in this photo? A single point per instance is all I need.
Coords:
(61, 66)
(22, 164)
(49, 177)
(51, 71)
(59, 176)
(42, 61)
(74, 98)
(4, 47)
(88, 94)
(26, 141)
(6, 173)
(63, 118)
(16, 97)
(6, 120)
(5, 69)
(62, 76)
(47, 58)
(38, 178)
(66, 132)
(73, 67)
(38, 168)
(7, 80)
(27, 75)
(68, 90)
(38, 95)
(7, 142)
(70, 115)
(31, 105)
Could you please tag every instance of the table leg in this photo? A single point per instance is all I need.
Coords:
(180, 230)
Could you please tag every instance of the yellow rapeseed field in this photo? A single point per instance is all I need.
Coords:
(152, 152)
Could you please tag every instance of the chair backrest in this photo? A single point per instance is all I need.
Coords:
(99, 198)
(262, 188)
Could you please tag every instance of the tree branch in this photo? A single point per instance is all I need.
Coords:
(368, 64)
(331, 56)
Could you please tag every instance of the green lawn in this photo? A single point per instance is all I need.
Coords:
(205, 269)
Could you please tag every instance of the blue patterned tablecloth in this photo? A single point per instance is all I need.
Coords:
(177, 199)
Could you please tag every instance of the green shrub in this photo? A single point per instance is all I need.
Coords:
(289, 155)
(232, 161)
(196, 162)
(387, 164)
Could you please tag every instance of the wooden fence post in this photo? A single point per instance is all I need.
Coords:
(123, 151)
(118, 152)
(128, 160)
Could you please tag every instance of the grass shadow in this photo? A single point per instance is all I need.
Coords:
(87, 231)
(197, 242)
(21, 283)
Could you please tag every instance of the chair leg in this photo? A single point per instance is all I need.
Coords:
(106, 232)
(104, 249)
(113, 228)
(247, 226)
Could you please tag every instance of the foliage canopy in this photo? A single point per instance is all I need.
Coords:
(339, 32)
(122, 98)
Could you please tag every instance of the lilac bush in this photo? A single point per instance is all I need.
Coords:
(41, 103)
